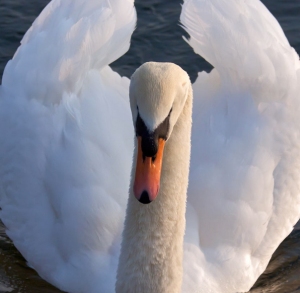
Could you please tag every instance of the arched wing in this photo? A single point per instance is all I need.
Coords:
(244, 193)
(66, 142)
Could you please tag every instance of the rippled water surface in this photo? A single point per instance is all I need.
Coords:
(158, 38)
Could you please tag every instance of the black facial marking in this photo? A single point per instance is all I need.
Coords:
(163, 129)
(150, 138)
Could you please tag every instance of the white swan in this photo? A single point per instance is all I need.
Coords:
(67, 141)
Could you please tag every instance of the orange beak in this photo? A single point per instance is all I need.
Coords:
(147, 174)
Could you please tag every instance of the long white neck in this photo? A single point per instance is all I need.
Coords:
(152, 248)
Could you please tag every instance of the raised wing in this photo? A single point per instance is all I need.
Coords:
(244, 193)
(66, 143)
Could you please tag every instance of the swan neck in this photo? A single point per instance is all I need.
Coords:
(152, 247)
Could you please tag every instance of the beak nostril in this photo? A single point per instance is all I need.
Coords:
(153, 159)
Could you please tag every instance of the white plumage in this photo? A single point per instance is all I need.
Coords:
(244, 179)
(61, 108)
(66, 143)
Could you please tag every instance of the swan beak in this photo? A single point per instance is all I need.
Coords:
(147, 174)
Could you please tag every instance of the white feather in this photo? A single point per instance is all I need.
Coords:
(66, 143)
(244, 178)
(67, 140)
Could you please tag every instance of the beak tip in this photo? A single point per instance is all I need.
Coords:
(145, 199)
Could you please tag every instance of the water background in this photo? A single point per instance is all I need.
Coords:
(157, 38)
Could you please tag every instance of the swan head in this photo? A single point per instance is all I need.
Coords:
(158, 92)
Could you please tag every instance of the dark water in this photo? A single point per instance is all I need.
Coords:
(157, 38)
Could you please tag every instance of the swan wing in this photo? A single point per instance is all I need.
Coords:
(66, 143)
(244, 192)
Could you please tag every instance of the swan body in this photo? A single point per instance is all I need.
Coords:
(67, 141)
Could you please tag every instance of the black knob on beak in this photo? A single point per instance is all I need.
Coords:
(149, 146)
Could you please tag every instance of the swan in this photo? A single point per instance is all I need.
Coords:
(209, 195)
